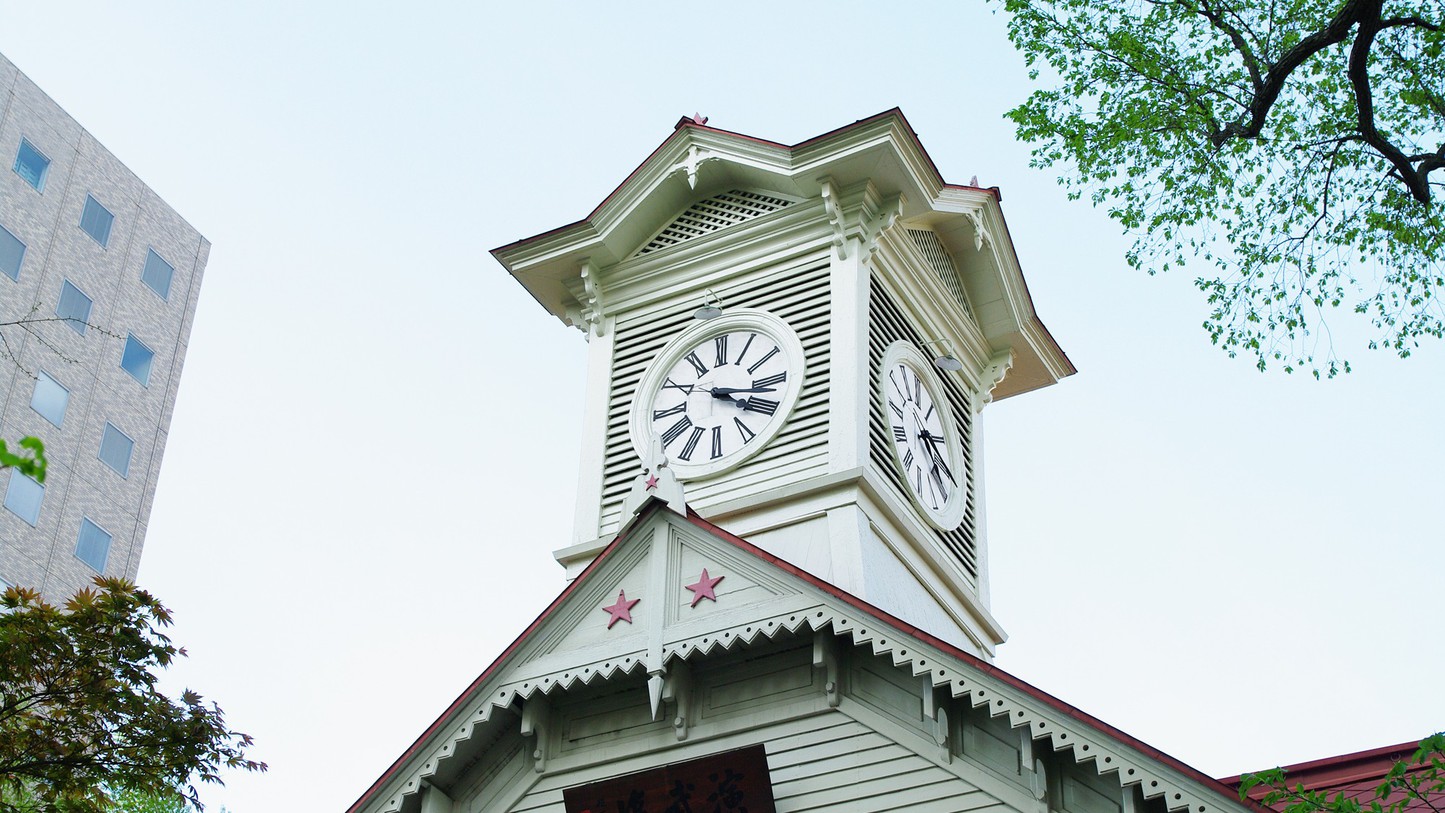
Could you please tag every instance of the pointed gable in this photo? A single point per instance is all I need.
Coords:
(761, 651)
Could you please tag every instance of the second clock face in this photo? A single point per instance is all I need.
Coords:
(719, 392)
(922, 434)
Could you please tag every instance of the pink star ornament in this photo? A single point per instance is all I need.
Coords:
(703, 588)
(621, 611)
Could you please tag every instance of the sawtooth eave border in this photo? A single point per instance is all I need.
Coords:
(1065, 727)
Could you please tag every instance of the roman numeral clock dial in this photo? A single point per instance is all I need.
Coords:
(718, 392)
(926, 443)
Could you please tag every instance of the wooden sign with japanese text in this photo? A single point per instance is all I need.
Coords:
(732, 782)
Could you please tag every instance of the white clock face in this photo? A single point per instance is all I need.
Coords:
(924, 442)
(719, 393)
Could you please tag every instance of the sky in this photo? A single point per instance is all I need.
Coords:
(351, 522)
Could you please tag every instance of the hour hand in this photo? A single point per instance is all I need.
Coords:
(725, 392)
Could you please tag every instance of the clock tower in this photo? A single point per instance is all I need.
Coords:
(779, 598)
(810, 334)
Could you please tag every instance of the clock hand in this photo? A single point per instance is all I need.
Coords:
(932, 451)
(725, 397)
(923, 436)
(938, 461)
(724, 392)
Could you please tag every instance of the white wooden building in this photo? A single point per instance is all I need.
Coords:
(780, 594)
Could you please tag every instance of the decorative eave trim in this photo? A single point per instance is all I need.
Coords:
(1046, 718)
(1133, 763)
(691, 145)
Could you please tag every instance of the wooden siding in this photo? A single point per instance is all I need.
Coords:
(799, 295)
(844, 766)
(819, 758)
(886, 325)
(827, 762)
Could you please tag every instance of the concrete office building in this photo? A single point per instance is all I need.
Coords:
(98, 287)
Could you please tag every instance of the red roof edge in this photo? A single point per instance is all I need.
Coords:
(1218, 786)
(652, 505)
(1340, 769)
(976, 662)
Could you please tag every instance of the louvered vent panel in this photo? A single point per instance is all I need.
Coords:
(886, 325)
(941, 263)
(711, 214)
(798, 297)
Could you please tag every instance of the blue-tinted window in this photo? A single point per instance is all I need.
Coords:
(50, 398)
(23, 497)
(136, 360)
(12, 252)
(96, 220)
(93, 545)
(31, 165)
(115, 450)
(157, 274)
(74, 307)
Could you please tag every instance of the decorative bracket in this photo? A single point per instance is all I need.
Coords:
(880, 222)
(656, 480)
(993, 374)
(936, 714)
(869, 226)
(1037, 776)
(535, 718)
(825, 660)
(434, 800)
(678, 691)
(1130, 802)
(835, 217)
(695, 158)
(980, 234)
(587, 316)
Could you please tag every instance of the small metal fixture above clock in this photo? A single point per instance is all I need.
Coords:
(711, 308)
(946, 359)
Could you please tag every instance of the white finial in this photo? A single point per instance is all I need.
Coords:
(656, 480)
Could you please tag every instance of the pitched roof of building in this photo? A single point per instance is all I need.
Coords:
(1158, 774)
(1356, 776)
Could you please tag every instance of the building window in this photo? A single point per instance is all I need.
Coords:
(31, 165)
(12, 251)
(23, 497)
(96, 220)
(157, 274)
(115, 450)
(136, 360)
(50, 398)
(74, 307)
(93, 545)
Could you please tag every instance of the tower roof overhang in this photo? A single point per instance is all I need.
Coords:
(881, 151)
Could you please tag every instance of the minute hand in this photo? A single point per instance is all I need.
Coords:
(723, 392)
(938, 458)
